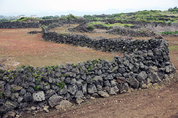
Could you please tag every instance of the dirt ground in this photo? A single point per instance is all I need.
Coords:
(24, 49)
(19, 48)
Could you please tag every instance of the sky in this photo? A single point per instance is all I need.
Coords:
(85, 6)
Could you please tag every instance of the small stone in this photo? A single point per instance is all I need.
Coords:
(20, 99)
(22, 91)
(17, 116)
(155, 84)
(33, 108)
(63, 105)
(79, 101)
(129, 90)
(149, 85)
(121, 80)
(144, 86)
(107, 88)
(46, 109)
(84, 88)
(79, 94)
(92, 89)
(10, 114)
(103, 94)
(39, 96)
(34, 113)
(72, 89)
(54, 100)
(113, 90)
(16, 88)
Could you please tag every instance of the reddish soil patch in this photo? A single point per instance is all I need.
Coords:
(29, 49)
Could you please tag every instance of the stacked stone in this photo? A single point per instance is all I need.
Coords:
(19, 25)
(130, 32)
(111, 45)
(50, 85)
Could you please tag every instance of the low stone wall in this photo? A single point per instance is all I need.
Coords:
(111, 45)
(38, 24)
(50, 85)
(19, 25)
(146, 63)
(48, 22)
(131, 32)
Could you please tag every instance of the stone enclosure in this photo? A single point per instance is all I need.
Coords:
(144, 63)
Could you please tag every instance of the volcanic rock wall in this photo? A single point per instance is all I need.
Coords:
(19, 25)
(147, 62)
(38, 24)
(131, 32)
(104, 44)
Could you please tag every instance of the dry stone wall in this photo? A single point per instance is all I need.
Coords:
(19, 25)
(53, 23)
(50, 85)
(105, 44)
(146, 62)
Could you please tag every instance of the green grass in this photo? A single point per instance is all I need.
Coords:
(168, 32)
(25, 19)
(143, 16)
(91, 24)
(61, 85)
(173, 48)
(63, 34)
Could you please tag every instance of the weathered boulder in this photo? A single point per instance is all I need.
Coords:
(8, 106)
(133, 82)
(55, 100)
(113, 90)
(92, 89)
(38, 96)
(63, 105)
(103, 94)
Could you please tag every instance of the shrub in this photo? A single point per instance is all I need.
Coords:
(90, 27)
(42, 26)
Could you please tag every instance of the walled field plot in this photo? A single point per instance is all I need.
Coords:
(30, 49)
(173, 41)
(19, 48)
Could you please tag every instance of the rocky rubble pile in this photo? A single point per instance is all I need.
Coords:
(130, 32)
